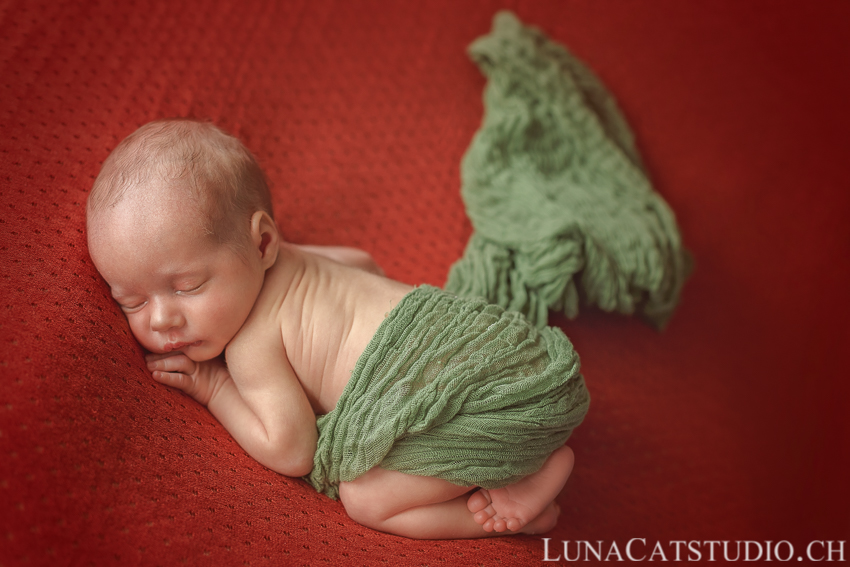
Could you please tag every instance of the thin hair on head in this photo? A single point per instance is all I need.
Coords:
(222, 177)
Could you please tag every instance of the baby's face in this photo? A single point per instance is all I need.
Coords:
(180, 290)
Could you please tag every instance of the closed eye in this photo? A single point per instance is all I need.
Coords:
(131, 308)
(191, 290)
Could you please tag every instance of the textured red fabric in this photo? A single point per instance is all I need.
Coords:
(729, 425)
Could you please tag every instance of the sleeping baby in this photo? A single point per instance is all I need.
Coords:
(427, 414)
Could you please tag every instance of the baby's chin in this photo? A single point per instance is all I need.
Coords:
(202, 352)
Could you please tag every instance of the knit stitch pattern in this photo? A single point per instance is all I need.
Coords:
(453, 388)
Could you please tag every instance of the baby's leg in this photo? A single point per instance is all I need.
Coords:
(419, 507)
(514, 506)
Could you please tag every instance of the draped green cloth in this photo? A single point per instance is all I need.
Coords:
(471, 386)
(562, 210)
(453, 388)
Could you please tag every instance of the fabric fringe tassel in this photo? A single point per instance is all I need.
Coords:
(562, 209)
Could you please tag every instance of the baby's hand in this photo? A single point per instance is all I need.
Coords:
(198, 379)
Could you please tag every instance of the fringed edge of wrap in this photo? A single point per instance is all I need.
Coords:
(563, 211)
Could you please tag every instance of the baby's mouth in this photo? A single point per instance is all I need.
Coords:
(169, 347)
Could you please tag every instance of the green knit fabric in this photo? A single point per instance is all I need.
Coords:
(453, 388)
(562, 210)
(471, 386)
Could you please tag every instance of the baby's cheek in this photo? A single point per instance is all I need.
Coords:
(139, 332)
(228, 310)
(215, 310)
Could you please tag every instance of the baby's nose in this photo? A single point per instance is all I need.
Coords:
(165, 317)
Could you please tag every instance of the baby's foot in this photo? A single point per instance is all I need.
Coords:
(497, 510)
(514, 506)
(545, 521)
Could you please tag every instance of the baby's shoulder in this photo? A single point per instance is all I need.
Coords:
(260, 332)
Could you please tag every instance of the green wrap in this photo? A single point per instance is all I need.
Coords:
(556, 192)
(452, 388)
(563, 213)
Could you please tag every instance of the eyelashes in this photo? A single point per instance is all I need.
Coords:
(192, 290)
(130, 308)
(136, 306)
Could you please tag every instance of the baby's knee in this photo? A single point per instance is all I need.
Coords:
(565, 456)
(362, 504)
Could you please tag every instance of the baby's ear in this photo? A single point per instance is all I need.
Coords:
(265, 238)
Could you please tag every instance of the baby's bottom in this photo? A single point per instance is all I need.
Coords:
(431, 508)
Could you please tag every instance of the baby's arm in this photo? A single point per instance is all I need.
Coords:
(265, 409)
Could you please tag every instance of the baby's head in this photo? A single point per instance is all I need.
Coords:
(180, 226)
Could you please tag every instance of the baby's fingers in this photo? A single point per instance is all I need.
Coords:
(185, 383)
(156, 356)
(174, 379)
(175, 363)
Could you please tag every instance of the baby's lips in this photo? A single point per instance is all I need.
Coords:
(169, 347)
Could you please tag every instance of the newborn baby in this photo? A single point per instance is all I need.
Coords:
(180, 226)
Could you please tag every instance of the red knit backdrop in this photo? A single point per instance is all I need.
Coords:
(729, 425)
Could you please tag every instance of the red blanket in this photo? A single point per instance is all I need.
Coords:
(729, 425)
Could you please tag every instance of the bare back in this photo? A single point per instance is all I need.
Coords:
(325, 313)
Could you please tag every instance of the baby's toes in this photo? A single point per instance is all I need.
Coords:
(482, 516)
(488, 525)
(499, 525)
(513, 524)
(477, 501)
